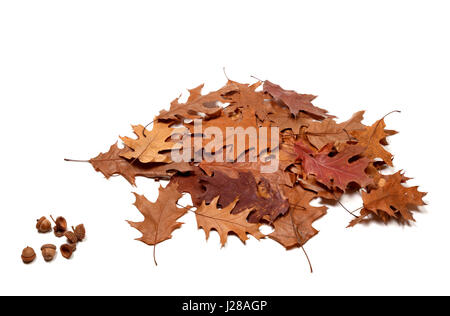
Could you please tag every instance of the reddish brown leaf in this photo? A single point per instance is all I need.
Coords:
(336, 171)
(261, 197)
(296, 102)
(190, 183)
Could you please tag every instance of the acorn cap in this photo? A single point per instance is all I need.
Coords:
(71, 237)
(58, 233)
(48, 252)
(80, 232)
(67, 250)
(60, 226)
(61, 223)
(48, 246)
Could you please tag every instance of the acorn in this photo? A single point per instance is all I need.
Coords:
(28, 255)
(67, 250)
(80, 232)
(43, 225)
(60, 226)
(48, 252)
(71, 237)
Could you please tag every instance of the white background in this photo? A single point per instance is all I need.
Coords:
(75, 74)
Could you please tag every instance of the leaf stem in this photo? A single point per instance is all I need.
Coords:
(75, 160)
(257, 78)
(307, 258)
(225, 73)
(154, 255)
(378, 123)
(340, 203)
(297, 235)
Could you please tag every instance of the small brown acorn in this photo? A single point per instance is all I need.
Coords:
(28, 255)
(80, 232)
(48, 252)
(67, 250)
(43, 225)
(60, 226)
(71, 237)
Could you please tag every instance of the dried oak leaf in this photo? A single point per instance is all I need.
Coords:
(233, 170)
(227, 126)
(244, 96)
(197, 104)
(327, 131)
(335, 171)
(160, 218)
(224, 222)
(147, 147)
(265, 108)
(391, 200)
(372, 138)
(112, 163)
(239, 118)
(294, 229)
(190, 183)
(287, 156)
(262, 197)
(284, 119)
(311, 184)
(296, 102)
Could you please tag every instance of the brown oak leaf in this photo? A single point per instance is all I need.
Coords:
(372, 138)
(244, 96)
(112, 163)
(262, 197)
(190, 183)
(294, 229)
(391, 200)
(327, 131)
(149, 144)
(284, 119)
(197, 104)
(296, 102)
(229, 125)
(160, 218)
(224, 221)
(311, 184)
(233, 170)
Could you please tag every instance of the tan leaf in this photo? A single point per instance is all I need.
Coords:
(294, 229)
(196, 104)
(372, 138)
(328, 131)
(210, 217)
(160, 218)
(284, 119)
(149, 144)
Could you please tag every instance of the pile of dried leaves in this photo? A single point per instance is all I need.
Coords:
(318, 158)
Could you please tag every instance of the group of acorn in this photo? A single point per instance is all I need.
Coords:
(43, 226)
